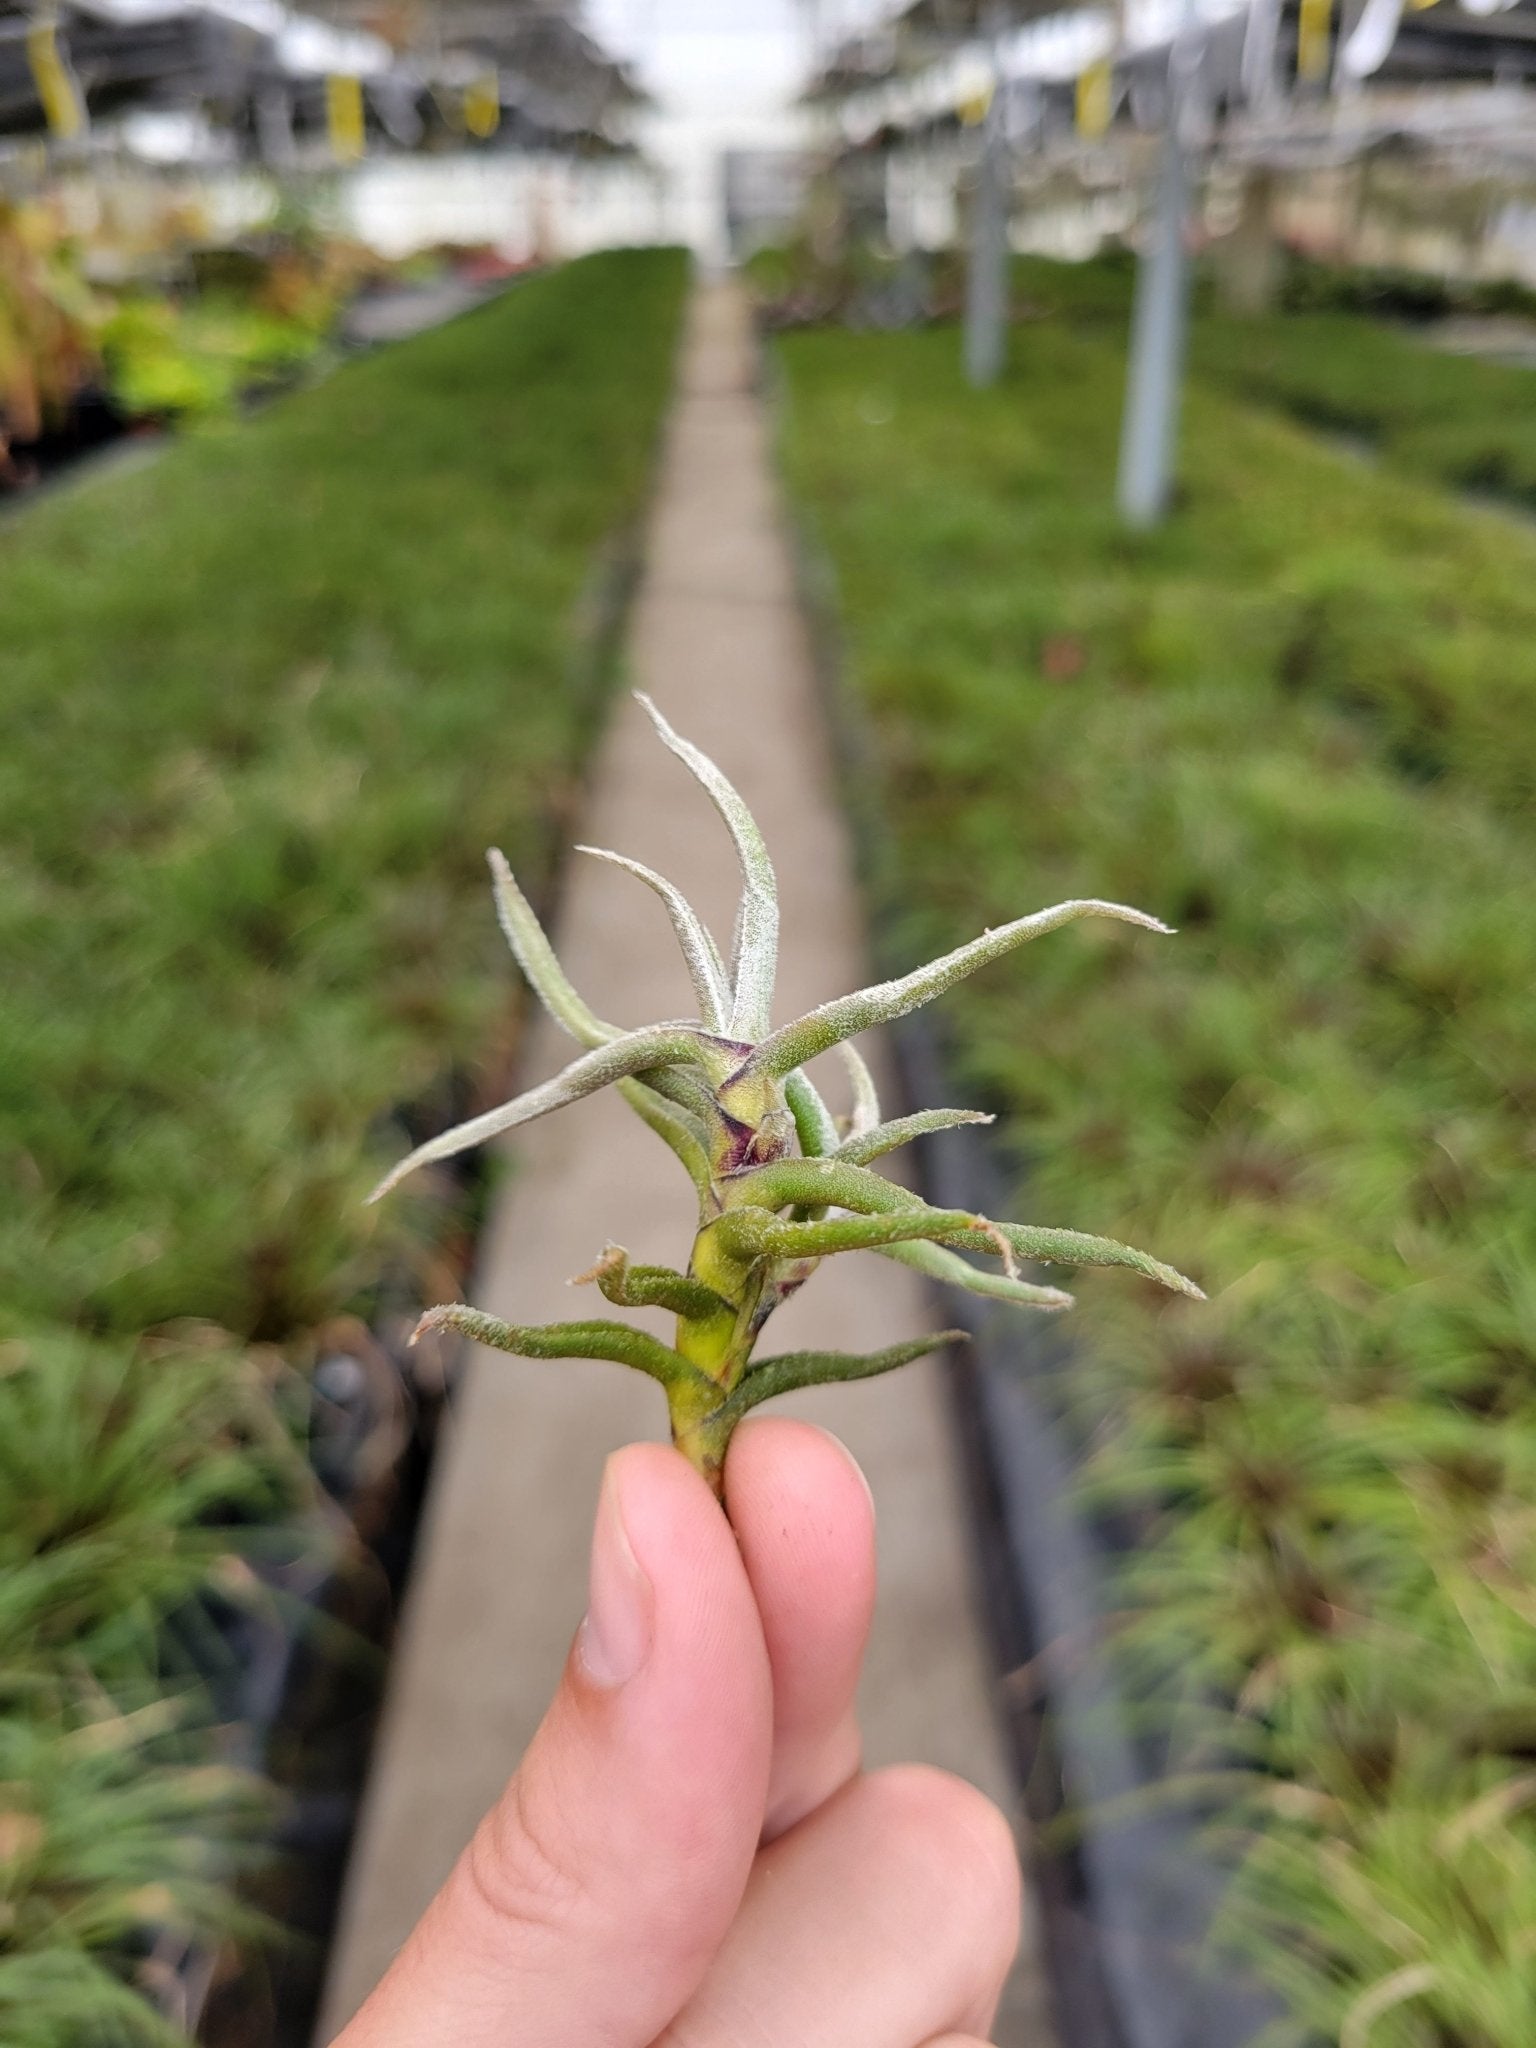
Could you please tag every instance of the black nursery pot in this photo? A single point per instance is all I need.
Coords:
(1125, 1891)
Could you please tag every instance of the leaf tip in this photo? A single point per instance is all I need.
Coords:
(434, 1319)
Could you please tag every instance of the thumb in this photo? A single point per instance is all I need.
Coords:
(598, 1888)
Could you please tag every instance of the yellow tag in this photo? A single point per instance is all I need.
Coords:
(482, 104)
(1095, 99)
(1312, 28)
(344, 116)
(973, 111)
(55, 82)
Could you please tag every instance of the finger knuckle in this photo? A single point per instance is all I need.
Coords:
(518, 1869)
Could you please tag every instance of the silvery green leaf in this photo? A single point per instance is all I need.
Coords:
(757, 927)
(636, 1052)
(706, 970)
(793, 1044)
(813, 1120)
(1080, 1248)
(536, 957)
(936, 1262)
(866, 1098)
(676, 1127)
(874, 1143)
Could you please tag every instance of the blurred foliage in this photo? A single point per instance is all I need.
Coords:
(862, 284)
(1350, 352)
(165, 357)
(267, 702)
(48, 324)
(223, 324)
(1294, 721)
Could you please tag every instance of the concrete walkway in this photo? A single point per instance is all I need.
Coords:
(718, 639)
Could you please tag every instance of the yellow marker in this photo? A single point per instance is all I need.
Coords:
(344, 116)
(1312, 27)
(63, 107)
(482, 104)
(1095, 99)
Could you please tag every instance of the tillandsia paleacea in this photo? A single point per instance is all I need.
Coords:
(781, 1183)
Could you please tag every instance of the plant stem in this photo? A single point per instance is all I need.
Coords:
(701, 1429)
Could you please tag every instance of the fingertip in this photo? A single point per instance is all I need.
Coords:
(776, 1460)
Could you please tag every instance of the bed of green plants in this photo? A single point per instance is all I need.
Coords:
(266, 702)
(1335, 357)
(1295, 722)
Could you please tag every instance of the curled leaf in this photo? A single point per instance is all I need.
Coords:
(793, 1044)
(706, 970)
(616, 1341)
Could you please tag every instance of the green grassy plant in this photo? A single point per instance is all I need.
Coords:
(125, 1472)
(264, 703)
(780, 1185)
(1294, 721)
(1327, 361)
(241, 838)
(111, 1851)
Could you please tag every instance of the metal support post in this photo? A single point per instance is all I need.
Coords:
(1149, 430)
(986, 284)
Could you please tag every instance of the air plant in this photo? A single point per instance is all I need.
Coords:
(781, 1184)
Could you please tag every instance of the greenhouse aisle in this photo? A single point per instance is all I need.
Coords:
(718, 639)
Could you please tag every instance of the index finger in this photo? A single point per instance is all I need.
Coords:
(804, 1520)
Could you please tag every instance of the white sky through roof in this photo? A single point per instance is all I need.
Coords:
(725, 73)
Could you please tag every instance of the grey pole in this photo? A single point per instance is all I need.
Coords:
(986, 284)
(1150, 425)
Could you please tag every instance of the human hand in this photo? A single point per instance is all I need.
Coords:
(688, 1856)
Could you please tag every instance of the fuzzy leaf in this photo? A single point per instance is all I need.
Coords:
(617, 1342)
(866, 1097)
(793, 1044)
(833, 1182)
(628, 1286)
(706, 970)
(794, 1369)
(936, 1262)
(755, 961)
(656, 1045)
(536, 957)
(813, 1120)
(675, 1127)
(862, 1146)
(750, 1233)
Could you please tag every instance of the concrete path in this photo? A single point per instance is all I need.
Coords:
(718, 639)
